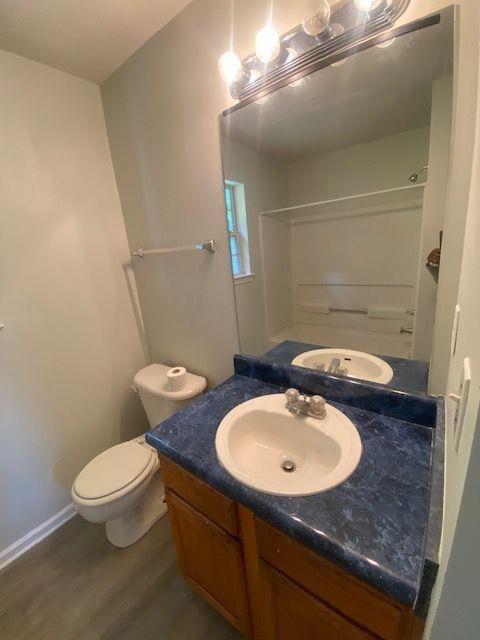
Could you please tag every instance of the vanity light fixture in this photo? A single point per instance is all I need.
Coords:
(267, 45)
(325, 36)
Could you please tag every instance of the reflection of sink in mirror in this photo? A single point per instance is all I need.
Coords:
(387, 344)
(357, 364)
(262, 445)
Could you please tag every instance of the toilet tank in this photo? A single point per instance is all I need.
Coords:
(164, 390)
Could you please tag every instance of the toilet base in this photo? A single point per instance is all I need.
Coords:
(130, 526)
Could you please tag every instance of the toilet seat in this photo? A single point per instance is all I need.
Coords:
(115, 472)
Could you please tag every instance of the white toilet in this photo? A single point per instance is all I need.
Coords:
(122, 486)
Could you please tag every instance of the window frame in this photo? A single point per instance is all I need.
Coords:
(240, 228)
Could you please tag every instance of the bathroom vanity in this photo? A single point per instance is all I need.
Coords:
(357, 561)
(263, 582)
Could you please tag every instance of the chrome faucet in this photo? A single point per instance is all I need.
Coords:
(334, 365)
(302, 405)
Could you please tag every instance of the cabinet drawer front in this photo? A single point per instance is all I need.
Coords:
(360, 603)
(211, 561)
(200, 495)
(297, 614)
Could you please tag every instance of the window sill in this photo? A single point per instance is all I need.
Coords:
(245, 279)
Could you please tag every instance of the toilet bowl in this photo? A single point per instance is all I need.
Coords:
(121, 486)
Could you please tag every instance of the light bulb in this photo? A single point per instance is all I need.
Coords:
(230, 67)
(368, 5)
(316, 16)
(267, 45)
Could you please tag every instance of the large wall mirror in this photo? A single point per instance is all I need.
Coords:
(335, 190)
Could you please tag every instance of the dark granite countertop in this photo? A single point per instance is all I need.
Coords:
(374, 525)
(408, 375)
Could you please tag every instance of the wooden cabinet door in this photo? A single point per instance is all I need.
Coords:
(296, 615)
(211, 561)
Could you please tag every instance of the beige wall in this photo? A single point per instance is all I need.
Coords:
(70, 345)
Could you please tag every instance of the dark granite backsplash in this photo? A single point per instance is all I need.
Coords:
(419, 409)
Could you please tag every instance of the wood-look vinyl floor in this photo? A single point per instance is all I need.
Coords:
(76, 586)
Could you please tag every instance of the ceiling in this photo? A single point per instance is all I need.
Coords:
(87, 38)
(375, 93)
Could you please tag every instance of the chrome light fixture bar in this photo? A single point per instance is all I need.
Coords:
(323, 35)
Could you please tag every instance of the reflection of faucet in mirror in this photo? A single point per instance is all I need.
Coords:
(414, 177)
(336, 368)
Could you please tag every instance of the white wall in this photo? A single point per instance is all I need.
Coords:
(70, 345)
(277, 268)
(355, 261)
(266, 187)
(432, 222)
(384, 163)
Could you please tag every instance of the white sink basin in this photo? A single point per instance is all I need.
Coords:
(265, 447)
(360, 365)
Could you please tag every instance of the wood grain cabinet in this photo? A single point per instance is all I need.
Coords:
(264, 583)
(297, 614)
(211, 561)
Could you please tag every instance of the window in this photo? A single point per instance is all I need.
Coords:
(237, 228)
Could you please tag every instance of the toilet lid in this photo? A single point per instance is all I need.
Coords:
(113, 470)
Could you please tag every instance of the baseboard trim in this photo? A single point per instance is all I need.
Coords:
(33, 537)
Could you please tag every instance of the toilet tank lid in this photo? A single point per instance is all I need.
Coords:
(113, 470)
(153, 379)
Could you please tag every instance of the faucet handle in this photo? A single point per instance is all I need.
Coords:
(317, 406)
(292, 395)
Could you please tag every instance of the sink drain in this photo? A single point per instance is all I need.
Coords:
(288, 466)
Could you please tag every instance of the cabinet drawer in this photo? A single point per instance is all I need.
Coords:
(211, 561)
(360, 603)
(296, 614)
(200, 495)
